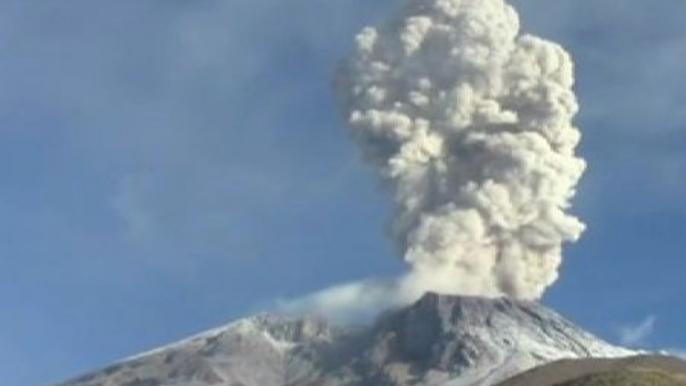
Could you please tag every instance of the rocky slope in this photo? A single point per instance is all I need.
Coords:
(438, 341)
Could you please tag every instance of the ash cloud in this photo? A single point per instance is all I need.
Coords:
(469, 124)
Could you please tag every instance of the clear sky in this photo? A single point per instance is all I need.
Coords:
(170, 165)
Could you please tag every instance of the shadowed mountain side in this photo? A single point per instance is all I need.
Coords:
(569, 371)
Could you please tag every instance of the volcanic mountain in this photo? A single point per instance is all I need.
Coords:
(438, 341)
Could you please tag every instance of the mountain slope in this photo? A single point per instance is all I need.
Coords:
(629, 378)
(440, 340)
(570, 371)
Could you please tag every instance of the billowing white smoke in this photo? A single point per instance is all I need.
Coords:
(470, 125)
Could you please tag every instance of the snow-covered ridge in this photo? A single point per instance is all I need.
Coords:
(281, 331)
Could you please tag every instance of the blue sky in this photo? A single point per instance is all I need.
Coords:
(171, 165)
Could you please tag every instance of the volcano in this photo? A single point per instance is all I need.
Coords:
(439, 340)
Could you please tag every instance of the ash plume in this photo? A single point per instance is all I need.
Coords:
(469, 124)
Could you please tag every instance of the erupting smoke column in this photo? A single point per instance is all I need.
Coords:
(470, 125)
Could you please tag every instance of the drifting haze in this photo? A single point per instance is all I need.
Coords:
(469, 124)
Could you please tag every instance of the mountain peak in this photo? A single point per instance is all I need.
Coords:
(459, 309)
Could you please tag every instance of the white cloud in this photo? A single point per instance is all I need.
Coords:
(638, 334)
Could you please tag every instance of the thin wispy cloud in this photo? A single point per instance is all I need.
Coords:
(638, 334)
